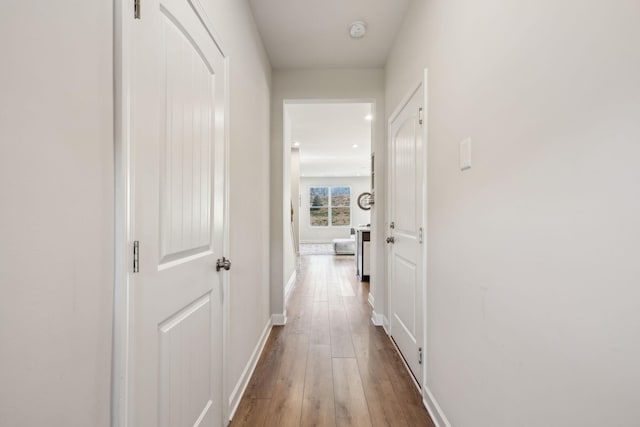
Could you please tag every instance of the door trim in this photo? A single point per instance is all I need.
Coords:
(122, 157)
(120, 375)
(423, 84)
(284, 213)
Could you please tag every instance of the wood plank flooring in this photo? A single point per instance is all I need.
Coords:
(329, 366)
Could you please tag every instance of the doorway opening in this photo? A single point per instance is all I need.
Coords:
(327, 167)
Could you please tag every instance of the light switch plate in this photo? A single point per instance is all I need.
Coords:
(465, 154)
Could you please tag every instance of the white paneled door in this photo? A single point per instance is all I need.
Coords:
(406, 229)
(177, 196)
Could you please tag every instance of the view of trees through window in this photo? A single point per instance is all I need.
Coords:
(334, 210)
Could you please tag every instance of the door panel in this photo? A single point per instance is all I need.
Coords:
(405, 253)
(405, 275)
(186, 170)
(177, 215)
(185, 365)
(405, 175)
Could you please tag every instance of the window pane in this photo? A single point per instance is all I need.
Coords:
(319, 196)
(319, 217)
(341, 196)
(340, 216)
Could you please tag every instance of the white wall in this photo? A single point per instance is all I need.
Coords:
(533, 265)
(56, 213)
(365, 85)
(250, 77)
(309, 234)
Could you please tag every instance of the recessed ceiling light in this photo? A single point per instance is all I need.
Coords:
(357, 29)
(296, 144)
(355, 146)
(368, 117)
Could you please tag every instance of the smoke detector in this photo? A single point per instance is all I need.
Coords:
(357, 29)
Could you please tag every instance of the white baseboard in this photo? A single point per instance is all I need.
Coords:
(289, 286)
(315, 242)
(371, 300)
(385, 324)
(437, 415)
(279, 319)
(377, 319)
(243, 382)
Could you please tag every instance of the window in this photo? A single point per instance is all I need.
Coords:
(330, 206)
(319, 211)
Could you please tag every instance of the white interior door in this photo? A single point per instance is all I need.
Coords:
(406, 225)
(177, 215)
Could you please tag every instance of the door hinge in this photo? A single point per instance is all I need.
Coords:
(136, 9)
(420, 235)
(136, 256)
(420, 355)
(420, 118)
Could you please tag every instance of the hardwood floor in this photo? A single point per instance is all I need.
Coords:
(329, 366)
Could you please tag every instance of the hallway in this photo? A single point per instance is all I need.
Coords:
(329, 366)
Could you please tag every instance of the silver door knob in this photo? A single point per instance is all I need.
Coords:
(391, 240)
(223, 263)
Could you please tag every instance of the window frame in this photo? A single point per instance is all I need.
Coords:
(329, 207)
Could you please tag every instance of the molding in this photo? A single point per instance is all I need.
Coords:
(289, 286)
(377, 319)
(226, 278)
(279, 319)
(437, 415)
(405, 100)
(243, 381)
(208, 23)
(371, 300)
(120, 369)
(316, 242)
(385, 324)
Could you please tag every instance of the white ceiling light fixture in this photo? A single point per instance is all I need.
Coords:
(368, 117)
(357, 29)
(296, 144)
(354, 146)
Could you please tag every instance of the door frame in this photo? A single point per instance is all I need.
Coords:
(120, 370)
(422, 84)
(286, 186)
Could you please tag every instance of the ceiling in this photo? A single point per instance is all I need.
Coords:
(315, 34)
(326, 133)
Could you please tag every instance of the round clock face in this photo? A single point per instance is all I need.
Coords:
(365, 200)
